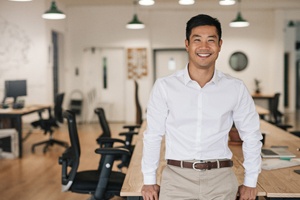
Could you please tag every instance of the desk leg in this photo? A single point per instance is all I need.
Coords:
(17, 124)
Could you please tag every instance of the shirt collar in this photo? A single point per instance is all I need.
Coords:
(186, 77)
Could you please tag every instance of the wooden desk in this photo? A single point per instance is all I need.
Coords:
(15, 116)
(281, 182)
(267, 97)
(134, 179)
(262, 111)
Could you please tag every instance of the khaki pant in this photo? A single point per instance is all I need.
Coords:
(188, 184)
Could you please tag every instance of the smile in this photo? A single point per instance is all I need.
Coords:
(203, 54)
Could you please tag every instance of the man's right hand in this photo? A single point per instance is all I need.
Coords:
(150, 192)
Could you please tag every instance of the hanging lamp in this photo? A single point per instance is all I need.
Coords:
(146, 2)
(186, 2)
(53, 12)
(239, 21)
(227, 2)
(291, 24)
(135, 23)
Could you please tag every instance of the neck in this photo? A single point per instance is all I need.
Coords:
(201, 76)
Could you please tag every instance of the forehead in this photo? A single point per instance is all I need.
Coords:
(204, 31)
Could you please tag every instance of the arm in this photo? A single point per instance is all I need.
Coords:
(247, 122)
(156, 118)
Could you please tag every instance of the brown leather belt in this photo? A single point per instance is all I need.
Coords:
(201, 165)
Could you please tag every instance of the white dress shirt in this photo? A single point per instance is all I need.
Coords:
(196, 122)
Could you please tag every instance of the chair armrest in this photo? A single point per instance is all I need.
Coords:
(132, 127)
(112, 151)
(130, 133)
(109, 142)
(128, 137)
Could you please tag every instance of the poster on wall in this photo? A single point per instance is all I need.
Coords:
(137, 63)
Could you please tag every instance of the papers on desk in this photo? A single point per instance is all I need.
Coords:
(276, 153)
(269, 164)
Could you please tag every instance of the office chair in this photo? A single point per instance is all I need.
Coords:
(48, 124)
(103, 183)
(277, 116)
(105, 139)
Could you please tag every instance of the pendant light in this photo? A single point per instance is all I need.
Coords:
(186, 2)
(227, 2)
(146, 2)
(53, 12)
(239, 21)
(135, 23)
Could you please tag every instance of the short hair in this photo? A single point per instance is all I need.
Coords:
(202, 20)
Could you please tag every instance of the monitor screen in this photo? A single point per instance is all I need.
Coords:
(15, 88)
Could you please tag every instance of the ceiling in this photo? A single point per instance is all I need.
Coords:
(255, 4)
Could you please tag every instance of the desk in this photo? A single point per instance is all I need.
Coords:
(280, 183)
(268, 97)
(262, 111)
(134, 179)
(15, 115)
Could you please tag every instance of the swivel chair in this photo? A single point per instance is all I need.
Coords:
(105, 139)
(277, 116)
(48, 124)
(103, 183)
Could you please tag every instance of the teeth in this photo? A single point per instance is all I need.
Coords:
(203, 54)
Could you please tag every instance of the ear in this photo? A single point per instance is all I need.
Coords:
(220, 44)
(186, 45)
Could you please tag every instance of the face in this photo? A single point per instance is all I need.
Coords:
(204, 47)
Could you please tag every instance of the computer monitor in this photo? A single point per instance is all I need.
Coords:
(15, 89)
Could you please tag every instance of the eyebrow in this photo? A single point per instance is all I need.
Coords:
(210, 36)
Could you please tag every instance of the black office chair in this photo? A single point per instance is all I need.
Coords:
(48, 124)
(103, 183)
(105, 139)
(277, 116)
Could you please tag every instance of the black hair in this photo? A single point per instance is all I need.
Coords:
(202, 20)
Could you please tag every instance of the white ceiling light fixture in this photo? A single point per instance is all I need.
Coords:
(135, 23)
(146, 2)
(226, 2)
(186, 2)
(21, 0)
(239, 21)
(53, 12)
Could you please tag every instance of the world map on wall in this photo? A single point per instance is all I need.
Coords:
(14, 46)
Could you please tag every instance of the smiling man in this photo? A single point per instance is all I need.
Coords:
(194, 109)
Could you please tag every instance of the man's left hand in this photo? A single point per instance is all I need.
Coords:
(247, 193)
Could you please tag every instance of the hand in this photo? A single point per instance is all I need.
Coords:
(150, 192)
(247, 193)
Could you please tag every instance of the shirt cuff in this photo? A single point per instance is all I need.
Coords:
(251, 181)
(149, 180)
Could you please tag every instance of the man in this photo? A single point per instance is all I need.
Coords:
(195, 108)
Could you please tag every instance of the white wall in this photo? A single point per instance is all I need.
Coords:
(104, 27)
(25, 39)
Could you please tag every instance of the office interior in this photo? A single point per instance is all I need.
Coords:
(30, 46)
(92, 31)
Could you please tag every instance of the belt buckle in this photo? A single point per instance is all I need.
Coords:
(198, 162)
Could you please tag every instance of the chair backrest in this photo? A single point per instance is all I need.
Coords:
(139, 117)
(71, 156)
(274, 108)
(103, 122)
(58, 110)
